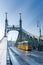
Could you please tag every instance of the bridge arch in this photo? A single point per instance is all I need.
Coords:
(12, 35)
(11, 28)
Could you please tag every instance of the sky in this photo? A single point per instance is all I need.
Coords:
(32, 11)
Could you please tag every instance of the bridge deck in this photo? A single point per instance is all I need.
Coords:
(3, 51)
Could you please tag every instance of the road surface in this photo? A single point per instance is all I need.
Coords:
(19, 57)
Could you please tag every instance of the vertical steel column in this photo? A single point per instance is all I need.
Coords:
(20, 31)
(6, 24)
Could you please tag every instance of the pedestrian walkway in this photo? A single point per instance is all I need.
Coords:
(3, 51)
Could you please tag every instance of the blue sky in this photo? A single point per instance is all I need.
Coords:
(32, 11)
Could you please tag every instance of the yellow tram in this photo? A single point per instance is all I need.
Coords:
(25, 45)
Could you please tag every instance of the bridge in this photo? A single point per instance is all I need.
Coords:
(14, 55)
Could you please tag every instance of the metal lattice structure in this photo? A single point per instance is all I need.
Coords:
(9, 28)
(23, 35)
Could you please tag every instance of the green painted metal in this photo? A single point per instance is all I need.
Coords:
(9, 28)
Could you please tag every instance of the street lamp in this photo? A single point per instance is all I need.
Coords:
(39, 26)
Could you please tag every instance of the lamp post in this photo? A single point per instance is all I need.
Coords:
(39, 26)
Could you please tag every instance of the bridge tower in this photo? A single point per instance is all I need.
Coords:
(9, 28)
(6, 24)
(20, 31)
